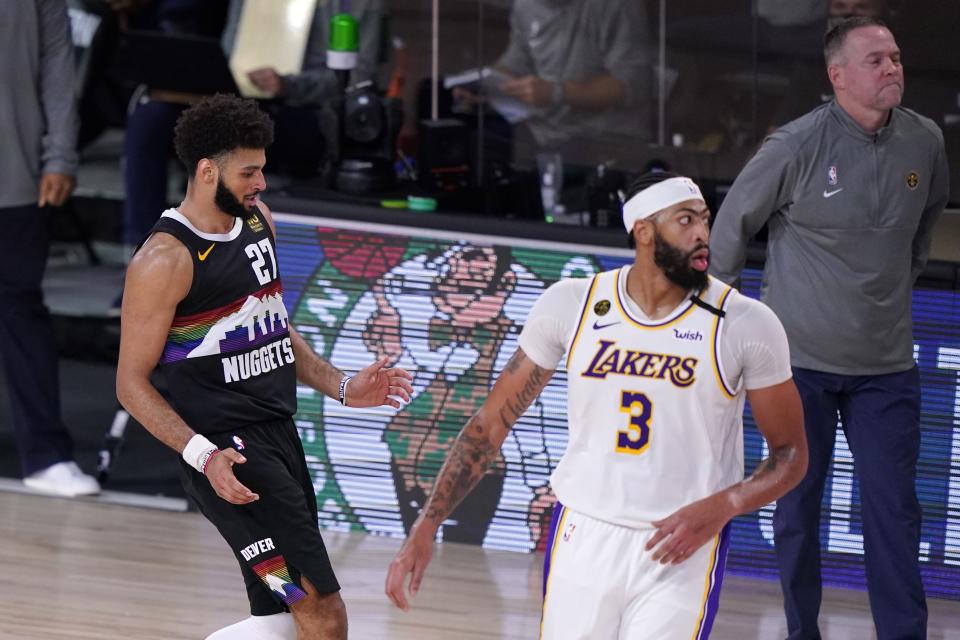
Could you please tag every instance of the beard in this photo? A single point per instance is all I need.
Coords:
(675, 264)
(229, 204)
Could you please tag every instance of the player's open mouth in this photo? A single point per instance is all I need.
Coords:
(700, 260)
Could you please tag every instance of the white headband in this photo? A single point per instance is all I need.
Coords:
(657, 198)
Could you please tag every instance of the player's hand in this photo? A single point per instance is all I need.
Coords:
(55, 188)
(379, 385)
(219, 472)
(412, 560)
(532, 90)
(267, 80)
(686, 530)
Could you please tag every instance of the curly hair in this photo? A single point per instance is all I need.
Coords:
(216, 126)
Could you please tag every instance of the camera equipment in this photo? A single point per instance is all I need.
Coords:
(603, 201)
(361, 131)
(360, 127)
(442, 155)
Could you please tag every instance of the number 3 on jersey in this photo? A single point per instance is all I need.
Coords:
(635, 438)
(256, 252)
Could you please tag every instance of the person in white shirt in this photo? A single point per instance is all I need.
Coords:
(660, 358)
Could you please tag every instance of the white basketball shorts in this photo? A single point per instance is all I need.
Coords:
(601, 584)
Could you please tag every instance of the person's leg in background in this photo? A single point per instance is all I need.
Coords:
(147, 148)
(796, 521)
(29, 358)
(882, 418)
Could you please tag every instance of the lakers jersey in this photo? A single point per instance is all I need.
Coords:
(228, 360)
(654, 424)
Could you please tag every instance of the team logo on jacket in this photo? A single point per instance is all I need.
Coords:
(602, 308)
(832, 175)
(913, 180)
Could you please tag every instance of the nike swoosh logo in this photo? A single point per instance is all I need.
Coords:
(830, 194)
(597, 326)
(203, 256)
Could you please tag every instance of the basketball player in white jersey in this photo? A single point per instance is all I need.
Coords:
(660, 358)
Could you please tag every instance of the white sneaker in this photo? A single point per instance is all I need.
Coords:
(277, 626)
(63, 479)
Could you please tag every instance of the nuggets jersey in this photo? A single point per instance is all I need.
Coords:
(228, 360)
(653, 423)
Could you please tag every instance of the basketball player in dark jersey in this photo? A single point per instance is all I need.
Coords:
(203, 304)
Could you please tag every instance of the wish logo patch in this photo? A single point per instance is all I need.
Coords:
(687, 334)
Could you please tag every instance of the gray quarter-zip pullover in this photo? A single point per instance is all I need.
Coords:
(850, 220)
(38, 116)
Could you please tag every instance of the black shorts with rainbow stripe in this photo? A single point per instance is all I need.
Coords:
(276, 539)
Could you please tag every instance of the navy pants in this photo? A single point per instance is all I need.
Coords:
(27, 350)
(148, 146)
(881, 420)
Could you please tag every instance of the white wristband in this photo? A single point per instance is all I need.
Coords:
(198, 451)
(343, 390)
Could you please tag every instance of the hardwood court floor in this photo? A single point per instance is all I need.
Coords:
(88, 570)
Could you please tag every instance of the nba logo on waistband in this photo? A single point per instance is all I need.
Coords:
(832, 175)
(569, 532)
(238, 443)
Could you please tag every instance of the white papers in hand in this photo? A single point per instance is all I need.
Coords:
(489, 81)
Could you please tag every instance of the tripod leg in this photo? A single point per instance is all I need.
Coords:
(111, 444)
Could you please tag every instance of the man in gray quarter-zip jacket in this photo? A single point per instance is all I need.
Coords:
(851, 192)
(38, 161)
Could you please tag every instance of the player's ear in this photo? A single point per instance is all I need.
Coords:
(643, 232)
(207, 171)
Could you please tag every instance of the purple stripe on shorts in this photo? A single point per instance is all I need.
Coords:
(554, 523)
(716, 580)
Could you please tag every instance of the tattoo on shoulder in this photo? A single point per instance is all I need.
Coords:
(517, 359)
(518, 403)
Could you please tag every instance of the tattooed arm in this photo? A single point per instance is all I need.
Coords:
(477, 446)
(471, 455)
(779, 417)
